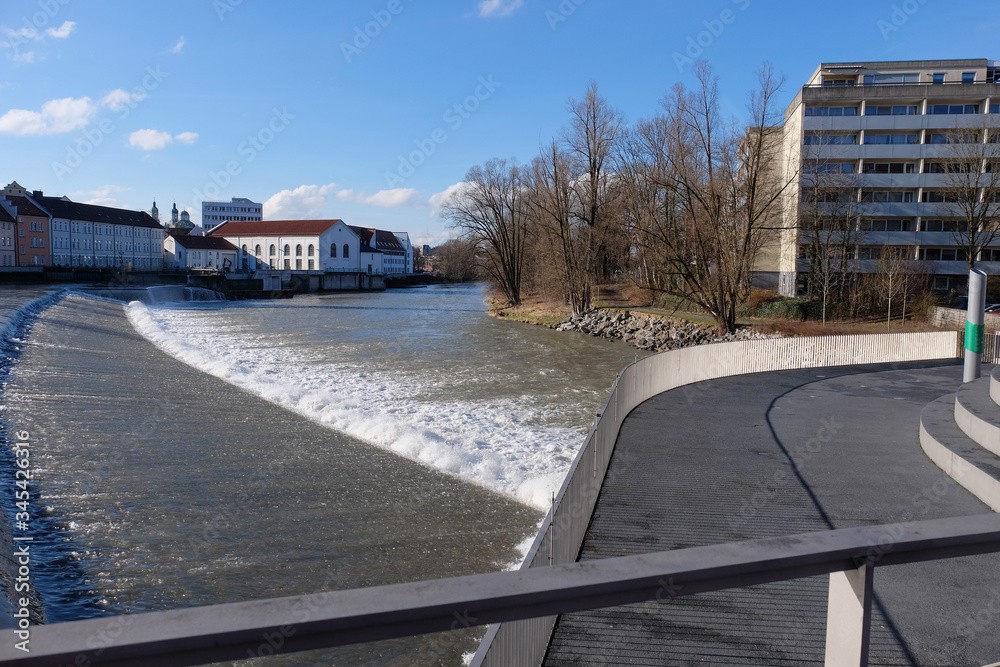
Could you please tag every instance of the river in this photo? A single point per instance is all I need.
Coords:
(193, 453)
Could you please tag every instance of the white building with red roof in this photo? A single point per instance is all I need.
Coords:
(200, 252)
(318, 246)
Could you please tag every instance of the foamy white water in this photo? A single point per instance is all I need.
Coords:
(425, 374)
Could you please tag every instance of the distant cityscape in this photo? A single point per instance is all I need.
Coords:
(39, 231)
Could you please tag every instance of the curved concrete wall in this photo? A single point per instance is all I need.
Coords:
(524, 643)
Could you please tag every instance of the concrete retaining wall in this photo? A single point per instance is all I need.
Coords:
(524, 642)
(953, 318)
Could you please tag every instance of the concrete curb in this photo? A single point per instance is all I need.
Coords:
(977, 482)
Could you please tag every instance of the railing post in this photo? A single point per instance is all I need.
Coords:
(848, 617)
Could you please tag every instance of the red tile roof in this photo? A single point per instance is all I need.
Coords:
(204, 243)
(273, 228)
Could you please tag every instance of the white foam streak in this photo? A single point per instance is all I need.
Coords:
(484, 441)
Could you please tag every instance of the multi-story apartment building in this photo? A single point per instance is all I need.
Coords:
(84, 235)
(32, 229)
(886, 134)
(214, 213)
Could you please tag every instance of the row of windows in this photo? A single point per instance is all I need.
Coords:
(895, 78)
(900, 110)
(102, 228)
(847, 195)
(897, 225)
(961, 167)
(898, 138)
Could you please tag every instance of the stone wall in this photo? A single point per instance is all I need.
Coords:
(954, 318)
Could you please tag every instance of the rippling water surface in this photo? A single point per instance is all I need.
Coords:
(238, 451)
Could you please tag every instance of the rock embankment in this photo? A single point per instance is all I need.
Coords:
(648, 332)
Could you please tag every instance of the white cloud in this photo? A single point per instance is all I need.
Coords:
(178, 45)
(305, 202)
(437, 201)
(25, 33)
(16, 38)
(383, 198)
(102, 196)
(491, 8)
(118, 99)
(154, 140)
(55, 117)
(63, 31)
(149, 140)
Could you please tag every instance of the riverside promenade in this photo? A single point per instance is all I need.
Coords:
(771, 454)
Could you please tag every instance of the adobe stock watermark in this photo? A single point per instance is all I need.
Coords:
(249, 149)
(714, 28)
(363, 35)
(454, 116)
(562, 13)
(898, 17)
(88, 140)
(223, 7)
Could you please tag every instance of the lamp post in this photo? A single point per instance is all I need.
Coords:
(974, 326)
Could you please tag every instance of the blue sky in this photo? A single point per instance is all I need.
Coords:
(370, 111)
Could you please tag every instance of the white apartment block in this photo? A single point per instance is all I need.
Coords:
(888, 125)
(214, 213)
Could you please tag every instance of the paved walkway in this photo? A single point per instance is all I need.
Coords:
(713, 463)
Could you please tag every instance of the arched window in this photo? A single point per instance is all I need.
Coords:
(256, 250)
(347, 251)
(272, 250)
(288, 250)
(244, 248)
(298, 250)
(312, 250)
(333, 250)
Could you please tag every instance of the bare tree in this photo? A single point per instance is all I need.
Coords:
(711, 197)
(491, 211)
(456, 260)
(829, 213)
(896, 277)
(971, 164)
(574, 197)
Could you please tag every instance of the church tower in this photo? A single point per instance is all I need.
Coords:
(155, 212)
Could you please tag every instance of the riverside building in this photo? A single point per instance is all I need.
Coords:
(214, 213)
(320, 246)
(884, 134)
(84, 235)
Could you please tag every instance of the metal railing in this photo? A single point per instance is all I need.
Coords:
(524, 602)
(562, 532)
(202, 635)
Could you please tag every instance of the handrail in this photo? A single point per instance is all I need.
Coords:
(563, 530)
(201, 635)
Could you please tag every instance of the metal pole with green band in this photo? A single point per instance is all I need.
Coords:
(974, 326)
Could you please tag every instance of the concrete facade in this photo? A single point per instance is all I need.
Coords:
(214, 213)
(883, 128)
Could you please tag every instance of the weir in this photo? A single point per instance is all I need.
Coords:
(157, 294)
